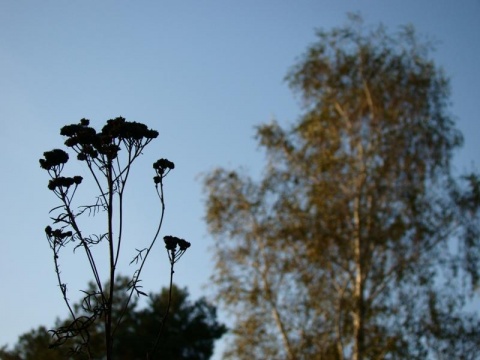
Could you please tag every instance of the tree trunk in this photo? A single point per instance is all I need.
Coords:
(358, 312)
(358, 292)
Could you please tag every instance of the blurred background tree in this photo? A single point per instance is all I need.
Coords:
(353, 242)
(190, 332)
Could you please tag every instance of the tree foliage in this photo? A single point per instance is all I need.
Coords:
(108, 156)
(345, 248)
(188, 335)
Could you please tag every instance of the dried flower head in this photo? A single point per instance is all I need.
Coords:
(163, 164)
(65, 182)
(162, 167)
(121, 129)
(53, 158)
(171, 243)
(183, 244)
(57, 233)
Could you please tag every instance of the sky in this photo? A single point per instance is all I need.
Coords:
(202, 73)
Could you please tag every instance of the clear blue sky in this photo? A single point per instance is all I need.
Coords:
(203, 73)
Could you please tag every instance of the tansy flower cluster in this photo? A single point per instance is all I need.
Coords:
(162, 168)
(90, 145)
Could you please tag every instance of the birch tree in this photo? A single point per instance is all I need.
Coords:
(351, 244)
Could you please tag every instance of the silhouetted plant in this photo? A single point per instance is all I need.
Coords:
(108, 155)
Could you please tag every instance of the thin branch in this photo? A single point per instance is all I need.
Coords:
(164, 320)
(142, 262)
